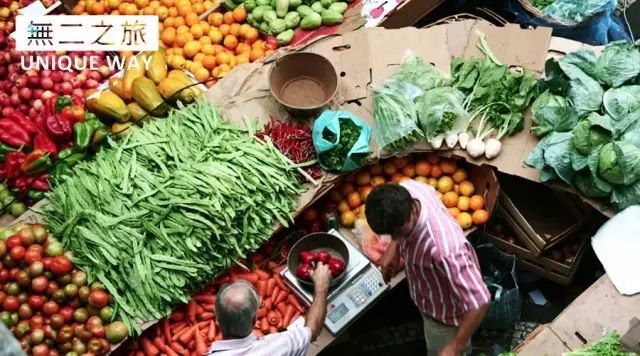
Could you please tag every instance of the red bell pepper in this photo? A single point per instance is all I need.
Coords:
(336, 267)
(302, 271)
(324, 257)
(23, 121)
(43, 142)
(13, 134)
(307, 257)
(41, 183)
(58, 128)
(12, 163)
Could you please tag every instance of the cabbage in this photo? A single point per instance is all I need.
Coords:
(620, 102)
(619, 163)
(584, 181)
(619, 62)
(585, 94)
(591, 133)
(552, 113)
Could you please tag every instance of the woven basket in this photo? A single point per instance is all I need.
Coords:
(532, 10)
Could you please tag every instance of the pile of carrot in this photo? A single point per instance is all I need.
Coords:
(192, 327)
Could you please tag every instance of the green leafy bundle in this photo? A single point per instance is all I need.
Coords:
(171, 206)
(609, 345)
(589, 115)
(335, 159)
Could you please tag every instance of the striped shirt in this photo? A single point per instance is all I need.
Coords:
(442, 269)
(293, 342)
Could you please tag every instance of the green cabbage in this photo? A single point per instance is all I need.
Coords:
(619, 163)
(619, 62)
(584, 181)
(591, 133)
(584, 92)
(552, 113)
(620, 102)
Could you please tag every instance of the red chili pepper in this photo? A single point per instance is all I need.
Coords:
(43, 142)
(23, 121)
(13, 134)
(59, 128)
(41, 183)
(12, 162)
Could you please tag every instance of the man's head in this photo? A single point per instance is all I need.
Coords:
(389, 209)
(236, 308)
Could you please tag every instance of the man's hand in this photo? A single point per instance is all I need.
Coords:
(390, 261)
(453, 348)
(320, 277)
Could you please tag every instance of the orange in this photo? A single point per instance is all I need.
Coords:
(208, 49)
(76, 10)
(239, 14)
(459, 175)
(168, 36)
(131, 9)
(334, 196)
(445, 184)
(215, 19)
(389, 168)
(268, 52)
(122, 7)
(432, 182)
(153, 4)
(205, 40)
(456, 188)
(234, 29)
(463, 203)
(375, 169)
(178, 21)
(219, 49)
(354, 200)
(480, 216)
(242, 32)
(224, 29)
(178, 62)
(196, 31)
(343, 206)
(251, 35)
(207, 4)
(111, 4)
(464, 220)
(167, 3)
(364, 192)
(183, 10)
(199, 57)
(243, 48)
(455, 212)
(173, 12)
(209, 61)
(191, 48)
(228, 18)
(409, 171)
(205, 26)
(201, 74)
(432, 158)
(423, 168)
(242, 58)
(191, 19)
(141, 4)
(466, 188)
(256, 54)
(448, 166)
(169, 21)
(377, 180)
(476, 202)
(198, 8)
(162, 13)
(215, 35)
(348, 218)
(222, 58)
(400, 162)
(181, 39)
(450, 199)
(179, 51)
(97, 8)
(421, 179)
(436, 171)
(396, 178)
(230, 42)
(346, 189)
(363, 178)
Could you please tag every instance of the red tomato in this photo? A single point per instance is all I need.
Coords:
(67, 313)
(27, 236)
(36, 301)
(99, 299)
(40, 350)
(39, 284)
(17, 253)
(11, 303)
(14, 241)
(60, 265)
(47, 262)
(32, 256)
(50, 308)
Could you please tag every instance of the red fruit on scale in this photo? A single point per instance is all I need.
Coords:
(302, 271)
(307, 257)
(324, 257)
(336, 267)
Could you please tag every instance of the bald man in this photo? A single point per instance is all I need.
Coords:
(236, 308)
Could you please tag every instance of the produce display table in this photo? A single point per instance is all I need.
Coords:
(598, 309)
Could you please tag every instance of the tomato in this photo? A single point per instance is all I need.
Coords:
(22, 329)
(310, 215)
(97, 285)
(59, 296)
(53, 287)
(12, 289)
(14, 241)
(3, 295)
(5, 318)
(17, 253)
(56, 321)
(22, 278)
(116, 332)
(36, 268)
(36, 322)
(106, 314)
(66, 333)
(50, 308)
(99, 299)
(40, 233)
(32, 256)
(28, 238)
(8, 262)
(47, 262)
(67, 313)
(81, 315)
(11, 303)
(98, 331)
(40, 350)
(79, 278)
(3, 248)
(39, 284)
(36, 301)
(14, 272)
(4, 275)
(22, 297)
(93, 322)
(60, 265)
(25, 311)
(54, 248)
(71, 290)
(94, 346)
(93, 311)
(79, 347)
(105, 344)
(36, 336)
(64, 279)
(83, 293)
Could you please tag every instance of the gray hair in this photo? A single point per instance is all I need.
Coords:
(236, 308)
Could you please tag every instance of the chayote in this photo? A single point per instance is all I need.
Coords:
(292, 19)
(285, 37)
(311, 21)
(330, 17)
(340, 7)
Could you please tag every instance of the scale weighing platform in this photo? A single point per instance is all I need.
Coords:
(361, 287)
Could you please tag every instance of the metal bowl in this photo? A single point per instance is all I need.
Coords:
(316, 242)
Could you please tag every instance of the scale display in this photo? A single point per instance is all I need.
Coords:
(338, 313)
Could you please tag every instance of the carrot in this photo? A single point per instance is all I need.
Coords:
(261, 288)
(202, 324)
(148, 347)
(264, 325)
(206, 316)
(209, 307)
(268, 305)
(139, 353)
(294, 301)
(276, 290)
(177, 348)
(192, 311)
(250, 277)
(294, 317)
(281, 297)
(282, 307)
(262, 312)
(177, 316)
(258, 333)
(280, 324)
(192, 345)
(166, 329)
(187, 335)
(271, 265)
(278, 269)
(262, 275)
(271, 284)
(287, 315)
(272, 317)
(279, 281)
(205, 299)
(273, 330)
(159, 342)
(212, 331)
(177, 327)
(201, 347)
(222, 280)
(167, 350)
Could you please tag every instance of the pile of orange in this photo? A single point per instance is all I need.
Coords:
(208, 47)
(450, 182)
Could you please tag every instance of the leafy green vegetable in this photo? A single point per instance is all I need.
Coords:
(591, 133)
(584, 59)
(584, 181)
(170, 206)
(584, 93)
(619, 163)
(552, 113)
(618, 63)
(440, 111)
(394, 113)
(620, 102)
(349, 133)
(626, 195)
(553, 152)
(609, 345)
(632, 134)
(416, 71)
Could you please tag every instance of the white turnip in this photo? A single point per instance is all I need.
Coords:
(436, 142)
(451, 139)
(463, 138)
(492, 148)
(475, 147)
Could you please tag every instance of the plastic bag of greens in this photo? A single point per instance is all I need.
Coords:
(341, 141)
(416, 71)
(441, 115)
(394, 113)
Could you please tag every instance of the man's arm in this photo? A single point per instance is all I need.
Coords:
(390, 261)
(318, 310)
(468, 325)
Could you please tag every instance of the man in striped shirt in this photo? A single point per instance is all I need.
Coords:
(441, 267)
(236, 309)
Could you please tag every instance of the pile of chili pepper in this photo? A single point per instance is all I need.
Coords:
(294, 140)
(30, 148)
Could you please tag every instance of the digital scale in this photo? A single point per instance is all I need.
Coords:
(361, 287)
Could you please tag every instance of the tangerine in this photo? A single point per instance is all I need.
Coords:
(476, 202)
(450, 200)
(480, 216)
(423, 168)
(448, 166)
